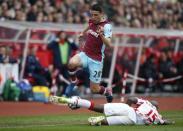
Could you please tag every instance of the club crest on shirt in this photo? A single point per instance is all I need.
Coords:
(93, 33)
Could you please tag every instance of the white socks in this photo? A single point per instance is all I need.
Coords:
(84, 103)
(80, 102)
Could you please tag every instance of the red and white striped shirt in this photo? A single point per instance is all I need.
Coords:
(148, 112)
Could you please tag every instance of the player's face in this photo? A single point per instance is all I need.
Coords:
(96, 16)
(62, 35)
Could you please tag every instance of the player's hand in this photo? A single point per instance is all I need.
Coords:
(168, 122)
(80, 36)
(81, 40)
(100, 30)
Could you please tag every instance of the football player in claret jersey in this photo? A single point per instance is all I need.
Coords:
(98, 35)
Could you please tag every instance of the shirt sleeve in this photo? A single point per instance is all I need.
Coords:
(107, 30)
(158, 119)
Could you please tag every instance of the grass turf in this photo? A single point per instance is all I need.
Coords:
(79, 123)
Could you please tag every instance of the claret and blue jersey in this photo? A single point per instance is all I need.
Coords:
(92, 54)
(94, 47)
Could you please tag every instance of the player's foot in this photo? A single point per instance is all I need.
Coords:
(58, 100)
(108, 95)
(96, 121)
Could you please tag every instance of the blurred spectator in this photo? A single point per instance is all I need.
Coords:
(6, 55)
(180, 66)
(2, 54)
(32, 13)
(150, 73)
(167, 68)
(62, 50)
(34, 69)
(127, 64)
(166, 14)
(180, 72)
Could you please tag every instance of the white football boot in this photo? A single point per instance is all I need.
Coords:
(58, 100)
(96, 121)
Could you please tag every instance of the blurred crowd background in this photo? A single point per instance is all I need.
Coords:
(45, 62)
(166, 14)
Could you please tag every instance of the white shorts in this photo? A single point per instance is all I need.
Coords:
(119, 113)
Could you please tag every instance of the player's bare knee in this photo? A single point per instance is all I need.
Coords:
(72, 64)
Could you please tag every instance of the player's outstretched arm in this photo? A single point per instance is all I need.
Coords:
(167, 122)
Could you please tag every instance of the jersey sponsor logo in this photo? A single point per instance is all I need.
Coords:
(93, 33)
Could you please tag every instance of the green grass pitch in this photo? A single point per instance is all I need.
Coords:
(76, 122)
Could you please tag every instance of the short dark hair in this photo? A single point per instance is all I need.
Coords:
(155, 103)
(96, 7)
